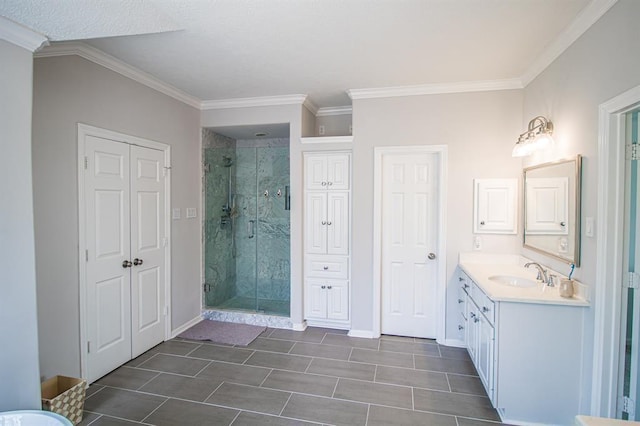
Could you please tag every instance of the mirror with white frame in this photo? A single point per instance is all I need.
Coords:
(552, 209)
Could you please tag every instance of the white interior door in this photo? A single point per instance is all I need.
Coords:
(147, 249)
(409, 259)
(108, 278)
(125, 261)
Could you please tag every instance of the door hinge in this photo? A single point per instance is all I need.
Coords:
(86, 255)
(166, 311)
(86, 162)
(633, 152)
(88, 347)
(165, 171)
(165, 242)
(631, 280)
(629, 406)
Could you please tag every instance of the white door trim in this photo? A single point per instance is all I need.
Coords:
(608, 286)
(379, 152)
(86, 130)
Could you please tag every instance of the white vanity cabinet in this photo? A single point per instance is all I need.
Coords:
(480, 334)
(527, 355)
(327, 216)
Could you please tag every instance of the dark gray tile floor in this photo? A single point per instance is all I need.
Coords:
(318, 376)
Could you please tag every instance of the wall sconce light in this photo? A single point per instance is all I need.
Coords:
(537, 136)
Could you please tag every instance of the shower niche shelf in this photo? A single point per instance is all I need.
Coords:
(327, 139)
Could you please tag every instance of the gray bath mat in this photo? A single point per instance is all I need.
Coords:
(228, 333)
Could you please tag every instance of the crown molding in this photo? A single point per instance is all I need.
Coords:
(21, 36)
(254, 102)
(103, 59)
(585, 19)
(313, 108)
(341, 110)
(435, 89)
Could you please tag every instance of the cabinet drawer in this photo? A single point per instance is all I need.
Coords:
(334, 267)
(485, 305)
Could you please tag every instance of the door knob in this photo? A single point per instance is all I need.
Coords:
(126, 264)
(431, 256)
(137, 261)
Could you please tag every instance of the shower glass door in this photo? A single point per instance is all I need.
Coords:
(247, 238)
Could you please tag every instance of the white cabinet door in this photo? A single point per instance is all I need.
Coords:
(338, 300)
(316, 223)
(315, 299)
(495, 206)
(485, 355)
(315, 171)
(337, 223)
(327, 171)
(472, 330)
(547, 206)
(338, 171)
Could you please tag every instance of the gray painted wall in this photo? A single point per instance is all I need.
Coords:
(479, 129)
(70, 90)
(19, 371)
(600, 65)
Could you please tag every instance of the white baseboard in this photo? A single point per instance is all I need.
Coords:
(452, 342)
(186, 326)
(302, 326)
(367, 334)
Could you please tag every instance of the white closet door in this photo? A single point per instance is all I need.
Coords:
(337, 222)
(147, 249)
(316, 223)
(108, 307)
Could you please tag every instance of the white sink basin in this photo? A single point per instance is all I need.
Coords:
(513, 281)
(32, 418)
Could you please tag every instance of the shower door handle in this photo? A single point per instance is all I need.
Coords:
(251, 228)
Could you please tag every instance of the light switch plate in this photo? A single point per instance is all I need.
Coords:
(191, 212)
(589, 227)
(176, 214)
(477, 242)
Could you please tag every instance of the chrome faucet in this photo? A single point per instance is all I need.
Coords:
(542, 274)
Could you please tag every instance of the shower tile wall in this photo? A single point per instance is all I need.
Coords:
(219, 264)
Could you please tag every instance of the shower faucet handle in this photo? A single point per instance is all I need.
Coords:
(266, 193)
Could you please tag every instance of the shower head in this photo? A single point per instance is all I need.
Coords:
(227, 161)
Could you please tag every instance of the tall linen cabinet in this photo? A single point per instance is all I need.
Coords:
(327, 238)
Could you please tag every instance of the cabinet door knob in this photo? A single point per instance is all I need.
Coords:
(476, 319)
(482, 222)
(329, 183)
(460, 279)
(137, 261)
(329, 223)
(562, 224)
(460, 300)
(485, 309)
(324, 183)
(329, 287)
(324, 222)
(326, 268)
(126, 264)
(323, 287)
(431, 256)
(460, 327)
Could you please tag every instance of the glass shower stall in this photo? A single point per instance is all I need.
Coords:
(246, 224)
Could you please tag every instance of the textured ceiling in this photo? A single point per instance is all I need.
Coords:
(251, 48)
(85, 19)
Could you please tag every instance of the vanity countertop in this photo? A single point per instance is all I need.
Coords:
(542, 294)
